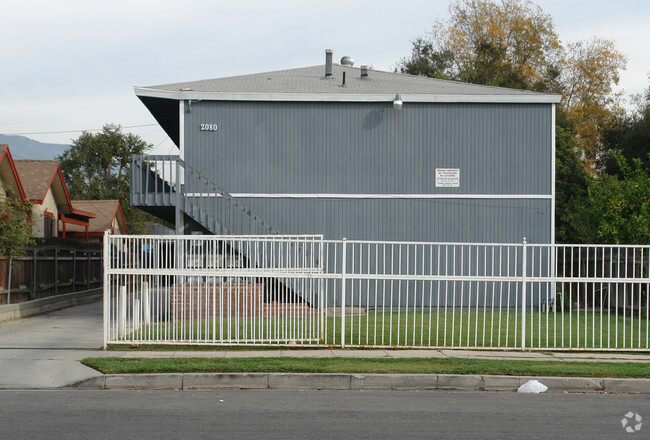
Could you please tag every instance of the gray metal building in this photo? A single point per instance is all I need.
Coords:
(352, 152)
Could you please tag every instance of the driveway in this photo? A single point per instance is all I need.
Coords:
(43, 351)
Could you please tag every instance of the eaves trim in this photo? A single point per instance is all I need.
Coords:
(181, 95)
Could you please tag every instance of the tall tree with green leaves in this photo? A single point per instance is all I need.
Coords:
(621, 204)
(97, 167)
(572, 203)
(630, 135)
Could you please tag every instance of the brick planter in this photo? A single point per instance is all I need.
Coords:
(219, 301)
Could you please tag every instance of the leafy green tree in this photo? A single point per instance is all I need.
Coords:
(15, 228)
(629, 134)
(572, 202)
(426, 60)
(97, 167)
(621, 204)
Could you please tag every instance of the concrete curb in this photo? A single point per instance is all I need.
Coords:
(356, 382)
(10, 312)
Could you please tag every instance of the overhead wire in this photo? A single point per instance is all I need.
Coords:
(76, 131)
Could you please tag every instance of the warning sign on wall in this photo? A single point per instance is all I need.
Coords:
(448, 177)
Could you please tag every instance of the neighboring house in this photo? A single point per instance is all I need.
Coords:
(10, 186)
(109, 216)
(352, 152)
(45, 188)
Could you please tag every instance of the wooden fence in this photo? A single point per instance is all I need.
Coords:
(53, 267)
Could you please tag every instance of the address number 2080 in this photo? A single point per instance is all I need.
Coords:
(208, 127)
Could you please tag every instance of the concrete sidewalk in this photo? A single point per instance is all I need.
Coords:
(43, 352)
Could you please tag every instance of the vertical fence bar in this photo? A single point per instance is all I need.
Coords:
(89, 259)
(35, 271)
(106, 285)
(56, 270)
(343, 268)
(122, 312)
(523, 294)
(145, 303)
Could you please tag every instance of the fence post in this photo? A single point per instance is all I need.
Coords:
(321, 289)
(89, 258)
(145, 303)
(106, 287)
(11, 260)
(343, 266)
(178, 216)
(74, 270)
(523, 295)
(35, 278)
(122, 313)
(56, 270)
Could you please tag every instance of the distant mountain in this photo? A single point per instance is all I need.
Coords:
(26, 148)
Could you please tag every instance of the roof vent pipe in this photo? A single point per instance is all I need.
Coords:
(364, 71)
(328, 63)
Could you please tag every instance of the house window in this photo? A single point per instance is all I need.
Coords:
(49, 230)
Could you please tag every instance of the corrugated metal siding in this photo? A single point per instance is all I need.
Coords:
(343, 148)
(469, 221)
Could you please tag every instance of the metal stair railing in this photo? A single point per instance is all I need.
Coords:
(201, 198)
(153, 181)
(157, 183)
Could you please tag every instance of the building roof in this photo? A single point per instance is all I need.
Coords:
(310, 84)
(39, 176)
(106, 212)
(9, 173)
(36, 177)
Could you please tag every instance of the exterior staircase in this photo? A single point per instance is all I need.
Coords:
(162, 184)
(165, 186)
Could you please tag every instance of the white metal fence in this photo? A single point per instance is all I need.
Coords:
(303, 290)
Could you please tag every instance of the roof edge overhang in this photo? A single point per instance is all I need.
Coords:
(21, 191)
(55, 173)
(68, 202)
(120, 219)
(180, 95)
(81, 213)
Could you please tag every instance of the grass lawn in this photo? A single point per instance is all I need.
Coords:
(356, 365)
(451, 328)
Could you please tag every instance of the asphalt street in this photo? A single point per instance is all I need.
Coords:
(316, 414)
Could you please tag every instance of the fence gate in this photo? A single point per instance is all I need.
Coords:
(213, 290)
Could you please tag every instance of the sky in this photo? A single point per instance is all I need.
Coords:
(71, 65)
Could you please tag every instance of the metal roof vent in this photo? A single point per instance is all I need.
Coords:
(328, 63)
(347, 61)
(364, 71)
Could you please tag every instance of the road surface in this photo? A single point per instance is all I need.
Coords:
(316, 414)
